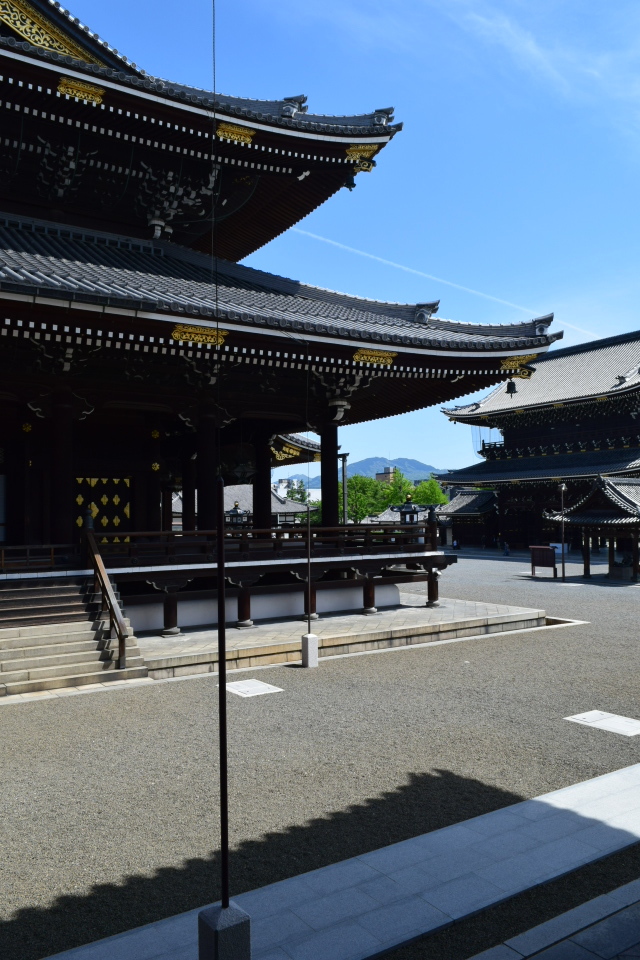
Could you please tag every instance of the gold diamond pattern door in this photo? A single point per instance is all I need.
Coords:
(108, 499)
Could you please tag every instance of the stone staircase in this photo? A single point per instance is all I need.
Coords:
(52, 635)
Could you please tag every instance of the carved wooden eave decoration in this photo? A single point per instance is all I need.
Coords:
(190, 334)
(31, 25)
(235, 133)
(381, 357)
(361, 155)
(518, 366)
(80, 90)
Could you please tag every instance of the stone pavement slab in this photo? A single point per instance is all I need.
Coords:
(409, 623)
(605, 928)
(363, 906)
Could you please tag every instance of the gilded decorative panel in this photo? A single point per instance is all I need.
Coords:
(382, 357)
(80, 90)
(188, 334)
(30, 24)
(232, 131)
(518, 365)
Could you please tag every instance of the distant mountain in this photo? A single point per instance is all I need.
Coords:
(412, 469)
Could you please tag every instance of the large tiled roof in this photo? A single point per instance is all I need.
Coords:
(289, 112)
(600, 368)
(53, 261)
(621, 496)
(242, 494)
(468, 504)
(552, 467)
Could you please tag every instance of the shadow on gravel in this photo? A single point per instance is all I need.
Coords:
(427, 802)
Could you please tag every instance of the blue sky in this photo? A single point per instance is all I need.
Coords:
(516, 175)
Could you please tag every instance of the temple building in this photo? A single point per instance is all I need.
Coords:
(574, 420)
(138, 357)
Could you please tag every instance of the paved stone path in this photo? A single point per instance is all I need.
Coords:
(410, 614)
(361, 907)
(605, 928)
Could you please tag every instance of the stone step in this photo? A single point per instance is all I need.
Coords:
(57, 640)
(74, 680)
(36, 650)
(72, 667)
(55, 629)
(53, 604)
(41, 591)
(51, 660)
(25, 619)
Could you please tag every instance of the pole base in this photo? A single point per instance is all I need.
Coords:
(172, 632)
(432, 603)
(314, 616)
(309, 650)
(242, 624)
(224, 933)
(369, 611)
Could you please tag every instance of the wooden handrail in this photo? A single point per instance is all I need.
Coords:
(116, 620)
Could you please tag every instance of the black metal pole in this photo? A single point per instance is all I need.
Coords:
(308, 565)
(222, 698)
(562, 510)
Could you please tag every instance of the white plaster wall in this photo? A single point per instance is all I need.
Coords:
(350, 598)
(192, 613)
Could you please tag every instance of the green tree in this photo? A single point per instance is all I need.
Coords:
(395, 493)
(298, 492)
(365, 496)
(429, 492)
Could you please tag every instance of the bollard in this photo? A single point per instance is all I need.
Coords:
(224, 933)
(309, 650)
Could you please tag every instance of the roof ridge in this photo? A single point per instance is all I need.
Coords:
(598, 344)
(181, 93)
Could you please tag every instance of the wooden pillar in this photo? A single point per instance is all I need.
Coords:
(329, 475)
(170, 611)
(586, 554)
(262, 484)
(62, 470)
(433, 529)
(207, 431)
(612, 552)
(188, 494)
(634, 553)
(310, 601)
(244, 606)
(167, 509)
(369, 596)
(432, 589)
(153, 505)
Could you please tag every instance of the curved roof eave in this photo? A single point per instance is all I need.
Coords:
(281, 114)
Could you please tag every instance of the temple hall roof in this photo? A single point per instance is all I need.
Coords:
(472, 503)
(57, 262)
(47, 32)
(550, 467)
(613, 501)
(608, 367)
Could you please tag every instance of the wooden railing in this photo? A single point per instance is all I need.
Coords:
(46, 556)
(117, 626)
(255, 544)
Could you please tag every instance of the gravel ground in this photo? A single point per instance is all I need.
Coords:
(109, 800)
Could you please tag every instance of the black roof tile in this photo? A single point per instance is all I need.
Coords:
(621, 493)
(62, 262)
(286, 113)
(599, 368)
(552, 467)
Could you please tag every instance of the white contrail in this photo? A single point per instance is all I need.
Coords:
(429, 276)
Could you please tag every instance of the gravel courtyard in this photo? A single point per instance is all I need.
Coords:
(109, 800)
